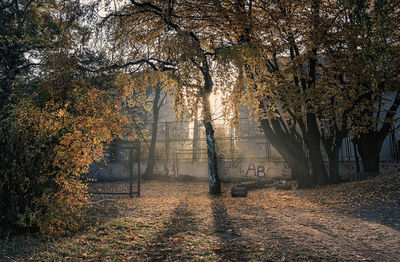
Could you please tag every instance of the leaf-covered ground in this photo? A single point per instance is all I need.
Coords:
(177, 221)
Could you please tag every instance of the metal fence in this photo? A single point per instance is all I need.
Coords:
(185, 142)
(124, 162)
(181, 145)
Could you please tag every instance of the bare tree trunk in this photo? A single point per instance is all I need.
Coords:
(332, 143)
(369, 152)
(334, 175)
(313, 141)
(356, 156)
(369, 144)
(215, 183)
(291, 150)
(152, 150)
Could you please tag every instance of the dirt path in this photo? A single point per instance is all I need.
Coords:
(288, 225)
(343, 237)
(179, 222)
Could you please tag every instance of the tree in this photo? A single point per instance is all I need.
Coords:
(156, 106)
(56, 125)
(283, 89)
(173, 35)
(302, 63)
(27, 27)
(370, 67)
(288, 61)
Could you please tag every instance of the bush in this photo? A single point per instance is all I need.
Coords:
(46, 144)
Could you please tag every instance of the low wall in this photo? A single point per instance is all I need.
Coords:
(228, 170)
(238, 170)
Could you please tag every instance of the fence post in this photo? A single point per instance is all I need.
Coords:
(195, 140)
(166, 144)
(138, 178)
(130, 171)
(232, 143)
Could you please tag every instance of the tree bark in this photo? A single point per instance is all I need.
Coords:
(332, 144)
(215, 183)
(356, 156)
(334, 174)
(317, 162)
(291, 150)
(369, 148)
(313, 141)
(214, 180)
(299, 166)
(154, 129)
(369, 144)
(195, 139)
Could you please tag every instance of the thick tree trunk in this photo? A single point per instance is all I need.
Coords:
(291, 150)
(318, 165)
(369, 148)
(332, 146)
(312, 138)
(370, 159)
(152, 150)
(334, 175)
(300, 170)
(369, 144)
(215, 183)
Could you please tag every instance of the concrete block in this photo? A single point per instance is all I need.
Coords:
(239, 191)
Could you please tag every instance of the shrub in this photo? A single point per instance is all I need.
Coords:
(46, 144)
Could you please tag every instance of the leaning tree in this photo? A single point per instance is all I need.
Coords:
(174, 32)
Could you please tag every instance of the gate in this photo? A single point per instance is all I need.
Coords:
(119, 176)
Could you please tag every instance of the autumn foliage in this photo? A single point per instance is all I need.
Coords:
(311, 72)
(50, 136)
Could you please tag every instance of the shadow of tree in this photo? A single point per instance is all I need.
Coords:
(168, 244)
(263, 245)
(375, 199)
(232, 247)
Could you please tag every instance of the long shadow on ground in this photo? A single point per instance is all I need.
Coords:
(387, 214)
(19, 245)
(263, 245)
(168, 244)
(232, 248)
(374, 199)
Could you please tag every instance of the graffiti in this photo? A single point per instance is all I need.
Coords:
(259, 172)
(251, 168)
(231, 165)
